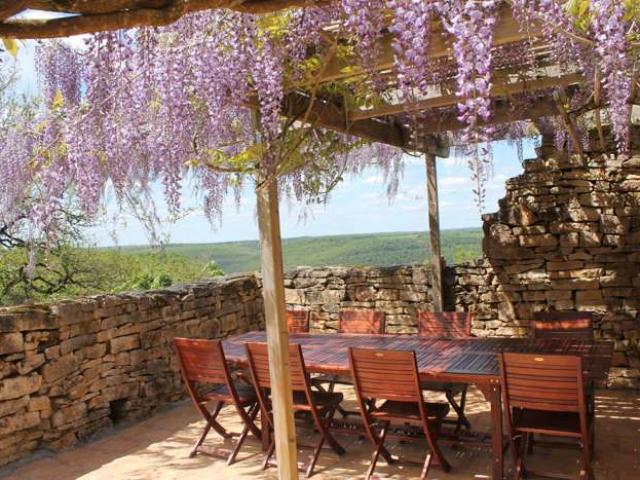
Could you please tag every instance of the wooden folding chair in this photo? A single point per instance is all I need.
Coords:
(361, 321)
(351, 321)
(448, 325)
(203, 364)
(298, 321)
(575, 325)
(321, 405)
(565, 325)
(393, 376)
(545, 394)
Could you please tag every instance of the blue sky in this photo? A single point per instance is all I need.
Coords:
(358, 205)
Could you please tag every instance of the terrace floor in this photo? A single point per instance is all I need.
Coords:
(158, 449)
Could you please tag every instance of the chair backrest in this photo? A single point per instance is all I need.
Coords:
(298, 321)
(361, 321)
(258, 356)
(542, 382)
(575, 325)
(202, 360)
(444, 324)
(385, 374)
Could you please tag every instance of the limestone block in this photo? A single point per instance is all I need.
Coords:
(365, 294)
(545, 240)
(76, 343)
(613, 224)
(16, 423)
(122, 344)
(590, 239)
(10, 407)
(30, 363)
(11, 343)
(294, 296)
(17, 387)
(65, 416)
(42, 405)
(60, 368)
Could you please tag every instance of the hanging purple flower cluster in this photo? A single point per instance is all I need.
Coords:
(471, 26)
(166, 105)
(170, 104)
(364, 20)
(411, 28)
(16, 149)
(609, 30)
(60, 70)
(269, 84)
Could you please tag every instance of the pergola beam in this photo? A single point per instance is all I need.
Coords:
(328, 115)
(500, 114)
(507, 31)
(103, 15)
(9, 9)
(497, 90)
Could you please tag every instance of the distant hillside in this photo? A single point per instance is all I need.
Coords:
(379, 249)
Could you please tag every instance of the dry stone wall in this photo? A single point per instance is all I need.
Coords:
(398, 291)
(567, 237)
(71, 369)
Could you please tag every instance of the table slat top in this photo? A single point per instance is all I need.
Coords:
(472, 359)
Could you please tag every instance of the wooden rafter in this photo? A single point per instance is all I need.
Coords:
(329, 115)
(9, 9)
(102, 15)
(500, 114)
(507, 31)
(497, 90)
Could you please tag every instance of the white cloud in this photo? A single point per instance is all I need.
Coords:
(376, 179)
(452, 182)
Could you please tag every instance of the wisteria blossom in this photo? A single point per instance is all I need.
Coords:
(609, 29)
(204, 99)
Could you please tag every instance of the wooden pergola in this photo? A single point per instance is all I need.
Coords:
(414, 126)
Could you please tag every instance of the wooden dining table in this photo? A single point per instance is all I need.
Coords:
(471, 361)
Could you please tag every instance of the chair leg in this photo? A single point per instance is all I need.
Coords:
(211, 419)
(586, 471)
(204, 434)
(439, 457)
(314, 457)
(520, 451)
(253, 411)
(425, 468)
(267, 457)
(459, 409)
(380, 449)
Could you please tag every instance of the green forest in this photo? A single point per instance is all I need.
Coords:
(379, 249)
(65, 270)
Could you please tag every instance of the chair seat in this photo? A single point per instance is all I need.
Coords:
(337, 379)
(246, 394)
(443, 386)
(323, 400)
(392, 409)
(541, 421)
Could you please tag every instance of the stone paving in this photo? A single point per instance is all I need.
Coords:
(158, 448)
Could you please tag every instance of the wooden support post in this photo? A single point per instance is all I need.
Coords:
(275, 318)
(277, 332)
(434, 233)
